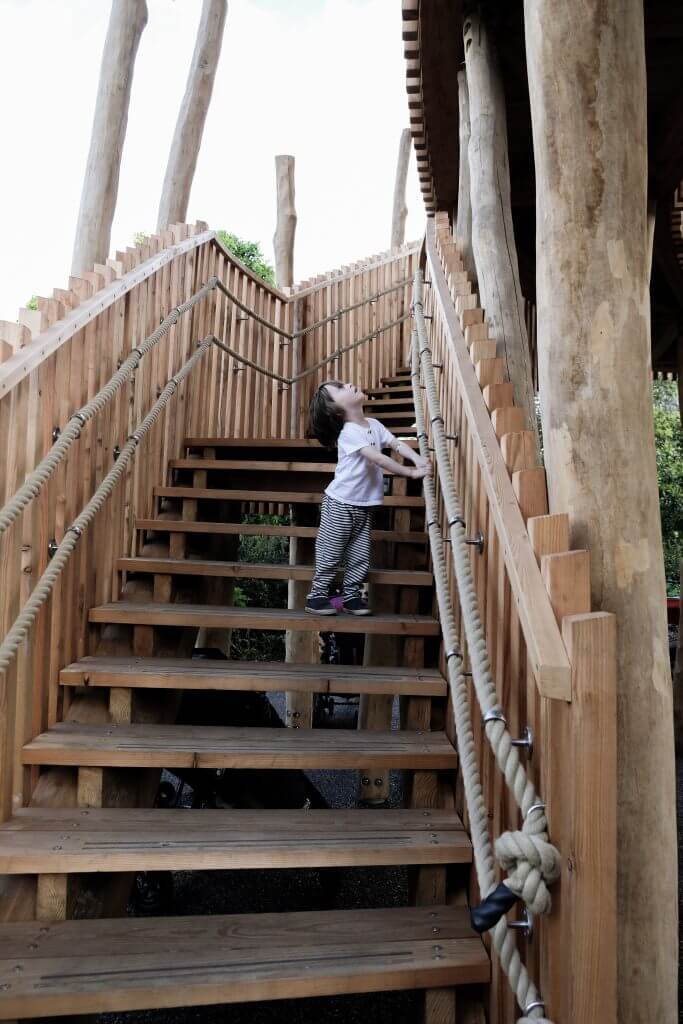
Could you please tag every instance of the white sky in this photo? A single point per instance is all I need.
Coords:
(321, 79)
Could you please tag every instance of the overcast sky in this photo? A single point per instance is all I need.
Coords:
(321, 79)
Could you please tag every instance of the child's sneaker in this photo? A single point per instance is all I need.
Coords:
(356, 606)
(320, 606)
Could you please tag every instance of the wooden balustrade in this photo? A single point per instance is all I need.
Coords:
(553, 660)
(69, 352)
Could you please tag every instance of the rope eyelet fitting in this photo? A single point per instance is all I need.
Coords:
(175, 380)
(495, 714)
(525, 740)
(535, 807)
(437, 419)
(477, 541)
(457, 520)
(453, 437)
(75, 529)
(80, 417)
(453, 652)
(135, 438)
(432, 522)
(437, 366)
(525, 925)
(423, 436)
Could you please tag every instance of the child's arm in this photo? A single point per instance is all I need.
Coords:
(388, 465)
(410, 453)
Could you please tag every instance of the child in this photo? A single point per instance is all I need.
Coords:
(336, 418)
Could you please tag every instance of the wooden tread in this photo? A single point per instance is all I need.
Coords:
(264, 676)
(397, 390)
(226, 616)
(401, 378)
(262, 530)
(377, 404)
(48, 841)
(271, 497)
(194, 746)
(261, 442)
(254, 465)
(96, 966)
(260, 570)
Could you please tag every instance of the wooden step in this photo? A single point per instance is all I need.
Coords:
(263, 530)
(194, 746)
(306, 444)
(263, 676)
(97, 966)
(229, 617)
(396, 390)
(260, 570)
(402, 378)
(376, 405)
(271, 497)
(391, 417)
(254, 465)
(47, 841)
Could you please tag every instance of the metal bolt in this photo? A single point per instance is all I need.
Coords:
(55, 433)
(378, 782)
(116, 452)
(477, 541)
(525, 925)
(52, 548)
(525, 740)
(365, 781)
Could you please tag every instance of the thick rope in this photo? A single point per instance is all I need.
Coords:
(531, 861)
(503, 939)
(43, 588)
(72, 431)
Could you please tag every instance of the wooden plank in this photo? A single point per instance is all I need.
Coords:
(519, 450)
(276, 497)
(567, 579)
(549, 534)
(199, 673)
(68, 840)
(530, 488)
(261, 570)
(544, 643)
(260, 530)
(220, 617)
(118, 965)
(179, 746)
(276, 466)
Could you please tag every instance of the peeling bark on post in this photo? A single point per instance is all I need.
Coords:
(285, 231)
(463, 223)
(182, 160)
(101, 181)
(400, 210)
(587, 81)
(493, 240)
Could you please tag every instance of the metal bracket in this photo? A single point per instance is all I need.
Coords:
(52, 548)
(525, 740)
(453, 437)
(477, 541)
(495, 715)
(56, 432)
(525, 924)
(116, 452)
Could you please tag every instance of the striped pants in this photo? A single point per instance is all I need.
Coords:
(343, 542)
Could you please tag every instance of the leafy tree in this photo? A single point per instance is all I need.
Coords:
(32, 302)
(248, 253)
(261, 645)
(669, 446)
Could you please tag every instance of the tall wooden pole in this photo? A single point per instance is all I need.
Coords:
(587, 81)
(400, 210)
(182, 160)
(101, 182)
(285, 230)
(493, 238)
(463, 223)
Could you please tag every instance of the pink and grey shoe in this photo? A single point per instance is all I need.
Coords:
(320, 606)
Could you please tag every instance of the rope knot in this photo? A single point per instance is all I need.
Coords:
(532, 864)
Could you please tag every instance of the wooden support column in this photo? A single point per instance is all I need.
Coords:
(400, 210)
(302, 647)
(283, 240)
(493, 239)
(595, 383)
(463, 223)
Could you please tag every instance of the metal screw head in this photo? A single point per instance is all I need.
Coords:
(52, 548)
(55, 433)
(116, 452)
(378, 782)
(365, 781)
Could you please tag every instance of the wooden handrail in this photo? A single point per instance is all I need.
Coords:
(545, 648)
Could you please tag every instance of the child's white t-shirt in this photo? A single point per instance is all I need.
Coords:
(357, 481)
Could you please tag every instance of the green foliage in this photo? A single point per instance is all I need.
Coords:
(258, 645)
(140, 237)
(32, 302)
(248, 253)
(669, 446)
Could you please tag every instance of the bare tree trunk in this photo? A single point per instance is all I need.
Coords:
(182, 160)
(285, 230)
(463, 223)
(596, 397)
(101, 182)
(493, 240)
(400, 210)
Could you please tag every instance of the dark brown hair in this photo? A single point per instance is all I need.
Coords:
(325, 419)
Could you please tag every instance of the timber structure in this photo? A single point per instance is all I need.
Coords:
(153, 415)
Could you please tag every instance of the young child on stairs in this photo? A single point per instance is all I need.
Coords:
(337, 420)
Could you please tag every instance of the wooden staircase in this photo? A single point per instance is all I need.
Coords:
(183, 556)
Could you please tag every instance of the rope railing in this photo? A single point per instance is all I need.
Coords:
(349, 309)
(43, 588)
(526, 993)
